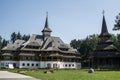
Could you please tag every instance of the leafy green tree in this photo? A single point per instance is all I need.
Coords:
(75, 43)
(118, 38)
(116, 41)
(117, 23)
(89, 45)
(85, 46)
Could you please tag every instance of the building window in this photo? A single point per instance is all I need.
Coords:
(78, 65)
(6, 65)
(26, 58)
(54, 66)
(23, 64)
(28, 64)
(8, 57)
(73, 65)
(14, 64)
(36, 64)
(29, 58)
(2, 64)
(48, 58)
(65, 65)
(32, 64)
(54, 58)
(69, 65)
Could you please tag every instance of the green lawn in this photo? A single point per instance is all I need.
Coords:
(70, 74)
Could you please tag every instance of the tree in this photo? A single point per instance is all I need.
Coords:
(85, 46)
(0, 42)
(13, 37)
(89, 45)
(18, 35)
(4, 43)
(116, 41)
(25, 37)
(76, 43)
(117, 23)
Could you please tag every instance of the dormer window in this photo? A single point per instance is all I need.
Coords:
(63, 47)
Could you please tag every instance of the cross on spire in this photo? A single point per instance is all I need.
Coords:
(47, 14)
(103, 12)
(104, 30)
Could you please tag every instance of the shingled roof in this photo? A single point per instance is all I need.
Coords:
(104, 30)
(105, 46)
(44, 42)
(16, 45)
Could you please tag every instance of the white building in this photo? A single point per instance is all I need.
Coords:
(40, 51)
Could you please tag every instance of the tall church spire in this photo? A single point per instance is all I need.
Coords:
(104, 30)
(46, 31)
(46, 22)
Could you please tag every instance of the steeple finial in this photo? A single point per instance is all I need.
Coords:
(46, 22)
(104, 30)
(103, 12)
(47, 14)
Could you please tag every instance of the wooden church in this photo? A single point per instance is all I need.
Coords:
(106, 55)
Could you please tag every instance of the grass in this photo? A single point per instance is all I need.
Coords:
(70, 74)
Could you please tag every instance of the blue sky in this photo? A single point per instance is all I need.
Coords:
(68, 19)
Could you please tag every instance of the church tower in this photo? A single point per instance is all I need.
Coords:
(105, 44)
(104, 36)
(106, 54)
(46, 31)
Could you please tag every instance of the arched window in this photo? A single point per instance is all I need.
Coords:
(36, 64)
(28, 64)
(32, 64)
(23, 64)
(65, 65)
(73, 65)
(69, 65)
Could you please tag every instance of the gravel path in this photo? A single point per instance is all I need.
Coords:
(5, 75)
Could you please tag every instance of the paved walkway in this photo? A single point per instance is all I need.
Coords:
(5, 75)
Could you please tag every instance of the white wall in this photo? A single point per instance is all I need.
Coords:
(60, 65)
(6, 63)
(36, 64)
(42, 64)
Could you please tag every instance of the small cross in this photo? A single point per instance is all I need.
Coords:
(47, 13)
(103, 12)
